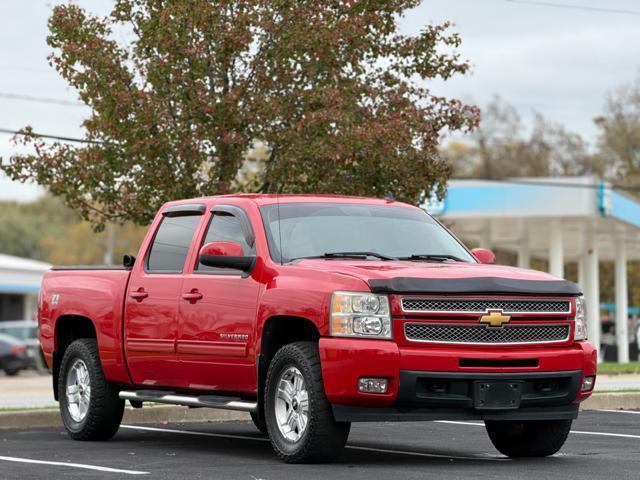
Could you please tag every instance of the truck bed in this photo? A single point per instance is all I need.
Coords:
(95, 292)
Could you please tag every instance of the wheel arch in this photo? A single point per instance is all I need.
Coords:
(68, 328)
(278, 331)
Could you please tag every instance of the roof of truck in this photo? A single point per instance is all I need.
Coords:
(267, 199)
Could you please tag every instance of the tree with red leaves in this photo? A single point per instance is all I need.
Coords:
(335, 92)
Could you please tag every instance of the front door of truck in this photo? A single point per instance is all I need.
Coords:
(154, 296)
(218, 311)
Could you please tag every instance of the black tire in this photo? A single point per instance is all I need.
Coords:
(105, 410)
(11, 372)
(528, 439)
(259, 422)
(323, 438)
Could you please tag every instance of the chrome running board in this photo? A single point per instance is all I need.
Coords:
(210, 401)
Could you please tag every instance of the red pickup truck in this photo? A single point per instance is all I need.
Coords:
(312, 312)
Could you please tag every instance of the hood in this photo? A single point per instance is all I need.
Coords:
(449, 277)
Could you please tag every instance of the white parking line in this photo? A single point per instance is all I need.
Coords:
(72, 465)
(429, 455)
(634, 412)
(579, 432)
(605, 434)
(191, 432)
(454, 422)
(350, 447)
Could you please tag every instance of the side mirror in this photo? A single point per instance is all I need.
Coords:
(128, 261)
(484, 255)
(226, 255)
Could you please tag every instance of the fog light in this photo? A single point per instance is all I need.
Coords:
(587, 383)
(372, 385)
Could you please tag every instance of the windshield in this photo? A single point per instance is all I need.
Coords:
(317, 229)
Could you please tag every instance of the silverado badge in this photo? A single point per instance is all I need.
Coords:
(495, 318)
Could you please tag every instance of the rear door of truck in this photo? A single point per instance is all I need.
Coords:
(153, 296)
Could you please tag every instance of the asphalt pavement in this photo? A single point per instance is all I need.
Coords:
(602, 445)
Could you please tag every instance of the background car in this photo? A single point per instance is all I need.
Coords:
(27, 332)
(14, 356)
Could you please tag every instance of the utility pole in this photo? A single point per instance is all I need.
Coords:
(109, 244)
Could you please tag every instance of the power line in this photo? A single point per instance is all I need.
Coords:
(560, 184)
(575, 7)
(30, 98)
(48, 136)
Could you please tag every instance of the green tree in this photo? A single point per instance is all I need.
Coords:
(23, 225)
(332, 88)
(50, 231)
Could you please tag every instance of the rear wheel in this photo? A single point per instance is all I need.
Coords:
(11, 372)
(298, 415)
(89, 404)
(528, 439)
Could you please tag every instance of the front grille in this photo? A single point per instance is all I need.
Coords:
(440, 305)
(481, 334)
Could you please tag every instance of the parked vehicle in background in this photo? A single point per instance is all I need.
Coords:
(27, 332)
(609, 342)
(312, 312)
(13, 355)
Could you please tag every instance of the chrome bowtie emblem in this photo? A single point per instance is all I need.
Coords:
(495, 318)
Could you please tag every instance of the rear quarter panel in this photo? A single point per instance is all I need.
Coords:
(95, 294)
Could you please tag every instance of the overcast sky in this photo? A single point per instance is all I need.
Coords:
(558, 61)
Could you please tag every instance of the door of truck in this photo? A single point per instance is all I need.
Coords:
(218, 311)
(154, 295)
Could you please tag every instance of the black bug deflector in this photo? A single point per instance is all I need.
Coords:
(474, 286)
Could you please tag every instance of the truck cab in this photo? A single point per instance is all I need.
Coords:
(313, 312)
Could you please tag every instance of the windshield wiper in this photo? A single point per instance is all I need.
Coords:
(437, 257)
(347, 255)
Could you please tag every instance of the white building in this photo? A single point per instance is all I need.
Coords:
(20, 280)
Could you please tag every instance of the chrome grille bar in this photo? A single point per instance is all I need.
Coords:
(480, 306)
(485, 335)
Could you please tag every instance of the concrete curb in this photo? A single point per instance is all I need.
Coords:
(612, 401)
(169, 414)
(151, 414)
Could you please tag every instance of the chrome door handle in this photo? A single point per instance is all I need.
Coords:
(192, 296)
(139, 295)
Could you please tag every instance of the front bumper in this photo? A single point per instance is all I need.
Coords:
(349, 413)
(438, 383)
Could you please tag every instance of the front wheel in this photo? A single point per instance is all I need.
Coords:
(89, 404)
(528, 439)
(298, 415)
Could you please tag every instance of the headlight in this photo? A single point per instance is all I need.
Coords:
(357, 314)
(580, 330)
